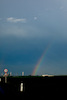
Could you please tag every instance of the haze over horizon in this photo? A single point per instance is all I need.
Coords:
(27, 27)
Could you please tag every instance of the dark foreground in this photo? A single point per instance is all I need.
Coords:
(34, 87)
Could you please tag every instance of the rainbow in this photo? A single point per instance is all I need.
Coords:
(40, 60)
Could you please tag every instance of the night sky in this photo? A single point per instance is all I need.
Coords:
(27, 27)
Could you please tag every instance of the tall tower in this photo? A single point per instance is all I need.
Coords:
(22, 73)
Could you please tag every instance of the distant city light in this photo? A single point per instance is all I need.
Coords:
(47, 75)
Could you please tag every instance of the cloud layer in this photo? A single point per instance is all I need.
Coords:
(0, 18)
(35, 18)
(15, 20)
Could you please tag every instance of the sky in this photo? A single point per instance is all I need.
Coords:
(27, 27)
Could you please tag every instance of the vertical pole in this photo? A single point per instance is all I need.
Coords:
(0, 79)
(5, 79)
(21, 87)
